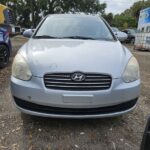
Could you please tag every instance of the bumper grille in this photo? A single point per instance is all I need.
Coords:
(63, 81)
(75, 111)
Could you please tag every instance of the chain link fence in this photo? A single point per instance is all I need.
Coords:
(142, 41)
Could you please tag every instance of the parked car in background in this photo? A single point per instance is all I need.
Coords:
(131, 35)
(5, 47)
(121, 35)
(16, 30)
(74, 67)
(22, 30)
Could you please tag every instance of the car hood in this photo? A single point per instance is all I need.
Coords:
(122, 34)
(68, 55)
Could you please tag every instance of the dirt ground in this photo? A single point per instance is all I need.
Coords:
(23, 132)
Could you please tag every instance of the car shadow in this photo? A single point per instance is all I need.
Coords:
(50, 122)
(44, 130)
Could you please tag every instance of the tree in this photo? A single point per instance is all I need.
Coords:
(125, 25)
(136, 8)
(29, 12)
(124, 21)
(131, 15)
(109, 18)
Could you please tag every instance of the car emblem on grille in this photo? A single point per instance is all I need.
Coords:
(79, 77)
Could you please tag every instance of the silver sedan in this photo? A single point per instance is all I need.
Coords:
(73, 66)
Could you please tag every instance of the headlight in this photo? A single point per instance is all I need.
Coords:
(131, 72)
(20, 68)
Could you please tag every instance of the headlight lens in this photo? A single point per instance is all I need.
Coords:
(131, 72)
(20, 68)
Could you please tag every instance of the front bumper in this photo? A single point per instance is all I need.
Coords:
(33, 93)
(54, 112)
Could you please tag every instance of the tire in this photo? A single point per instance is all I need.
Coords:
(4, 56)
(132, 41)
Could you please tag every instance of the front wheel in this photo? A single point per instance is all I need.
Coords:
(132, 41)
(4, 56)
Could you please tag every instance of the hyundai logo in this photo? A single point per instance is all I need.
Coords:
(78, 77)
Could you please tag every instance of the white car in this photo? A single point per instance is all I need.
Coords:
(74, 67)
(120, 35)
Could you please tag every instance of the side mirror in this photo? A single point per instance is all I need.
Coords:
(119, 38)
(28, 33)
(146, 138)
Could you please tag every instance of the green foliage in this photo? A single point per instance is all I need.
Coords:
(109, 18)
(36, 9)
(138, 6)
(125, 25)
(124, 21)
(129, 18)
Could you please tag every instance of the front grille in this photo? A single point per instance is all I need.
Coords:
(75, 111)
(63, 81)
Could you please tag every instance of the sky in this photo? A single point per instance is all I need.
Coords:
(118, 6)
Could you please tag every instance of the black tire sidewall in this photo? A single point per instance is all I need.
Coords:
(4, 64)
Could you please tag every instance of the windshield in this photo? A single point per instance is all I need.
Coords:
(74, 27)
(132, 31)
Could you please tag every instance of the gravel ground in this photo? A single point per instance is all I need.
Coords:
(22, 132)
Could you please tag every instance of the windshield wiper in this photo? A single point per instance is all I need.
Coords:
(45, 37)
(69, 37)
(78, 37)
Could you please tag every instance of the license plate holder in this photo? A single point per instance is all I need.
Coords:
(78, 99)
